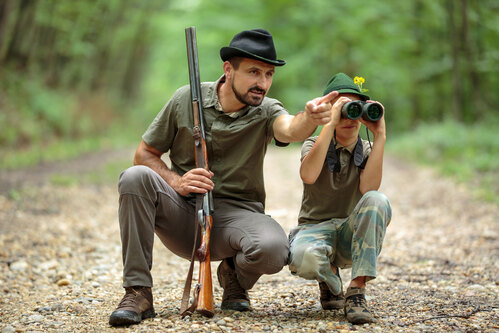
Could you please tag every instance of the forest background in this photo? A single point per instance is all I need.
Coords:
(81, 76)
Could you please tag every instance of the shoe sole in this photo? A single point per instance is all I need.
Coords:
(235, 307)
(333, 306)
(125, 318)
(360, 319)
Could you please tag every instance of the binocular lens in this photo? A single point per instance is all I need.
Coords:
(354, 111)
(374, 111)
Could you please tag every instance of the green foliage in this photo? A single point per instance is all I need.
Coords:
(107, 174)
(73, 70)
(465, 153)
(56, 150)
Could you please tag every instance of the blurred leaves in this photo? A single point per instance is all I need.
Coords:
(70, 69)
(465, 153)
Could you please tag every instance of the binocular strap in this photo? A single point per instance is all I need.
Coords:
(333, 161)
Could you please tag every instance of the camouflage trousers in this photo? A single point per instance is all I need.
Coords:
(354, 241)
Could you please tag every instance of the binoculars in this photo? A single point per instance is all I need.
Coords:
(366, 110)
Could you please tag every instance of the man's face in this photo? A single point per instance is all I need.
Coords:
(251, 81)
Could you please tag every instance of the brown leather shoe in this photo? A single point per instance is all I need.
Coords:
(330, 301)
(234, 296)
(135, 306)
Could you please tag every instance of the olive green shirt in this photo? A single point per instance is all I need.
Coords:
(333, 195)
(236, 142)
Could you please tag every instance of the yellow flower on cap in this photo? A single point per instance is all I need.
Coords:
(359, 80)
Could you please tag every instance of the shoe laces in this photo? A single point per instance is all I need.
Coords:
(129, 299)
(234, 289)
(358, 300)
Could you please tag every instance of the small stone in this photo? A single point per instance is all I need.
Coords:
(19, 266)
(57, 307)
(63, 282)
(35, 318)
(8, 329)
(44, 309)
(48, 265)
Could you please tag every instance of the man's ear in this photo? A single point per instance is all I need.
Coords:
(227, 67)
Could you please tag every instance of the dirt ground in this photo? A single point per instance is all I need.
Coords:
(60, 260)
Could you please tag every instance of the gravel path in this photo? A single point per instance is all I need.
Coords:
(60, 263)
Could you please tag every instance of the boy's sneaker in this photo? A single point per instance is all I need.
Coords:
(234, 296)
(356, 308)
(330, 301)
(135, 306)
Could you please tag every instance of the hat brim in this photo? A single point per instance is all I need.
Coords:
(228, 52)
(352, 91)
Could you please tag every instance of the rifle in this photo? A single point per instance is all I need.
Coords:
(203, 292)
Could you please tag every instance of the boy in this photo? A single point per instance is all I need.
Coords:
(343, 217)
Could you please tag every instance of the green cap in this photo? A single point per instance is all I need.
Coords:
(344, 84)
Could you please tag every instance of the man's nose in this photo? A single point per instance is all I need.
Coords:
(263, 81)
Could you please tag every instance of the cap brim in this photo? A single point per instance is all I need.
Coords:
(228, 52)
(351, 91)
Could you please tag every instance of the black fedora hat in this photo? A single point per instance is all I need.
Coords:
(255, 44)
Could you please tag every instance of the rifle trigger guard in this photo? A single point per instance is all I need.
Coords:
(196, 133)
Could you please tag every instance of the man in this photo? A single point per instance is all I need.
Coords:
(343, 218)
(240, 121)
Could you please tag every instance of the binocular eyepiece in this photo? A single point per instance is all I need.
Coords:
(371, 111)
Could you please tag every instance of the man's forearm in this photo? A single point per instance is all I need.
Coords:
(158, 165)
(294, 128)
(301, 127)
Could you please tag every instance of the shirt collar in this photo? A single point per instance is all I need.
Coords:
(350, 148)
(211, 100)
(335, 148)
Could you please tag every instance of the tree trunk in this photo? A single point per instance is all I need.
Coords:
(417, 35)
(473, 91)
(456, 94)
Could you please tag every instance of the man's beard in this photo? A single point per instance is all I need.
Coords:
(246, 99)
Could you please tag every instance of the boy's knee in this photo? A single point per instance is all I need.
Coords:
(378, 200)
(307, 260)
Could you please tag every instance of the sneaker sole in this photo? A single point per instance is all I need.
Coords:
(333, 305)
(360, 319)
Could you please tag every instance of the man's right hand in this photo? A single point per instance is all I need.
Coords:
(195, 181)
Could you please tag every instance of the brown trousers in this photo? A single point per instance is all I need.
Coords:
(241, 230)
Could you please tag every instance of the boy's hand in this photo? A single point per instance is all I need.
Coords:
(336, 111)
(377, 127)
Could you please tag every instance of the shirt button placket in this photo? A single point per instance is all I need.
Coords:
(216, 130)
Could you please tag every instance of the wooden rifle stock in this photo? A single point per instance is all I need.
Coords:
(203, 293)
